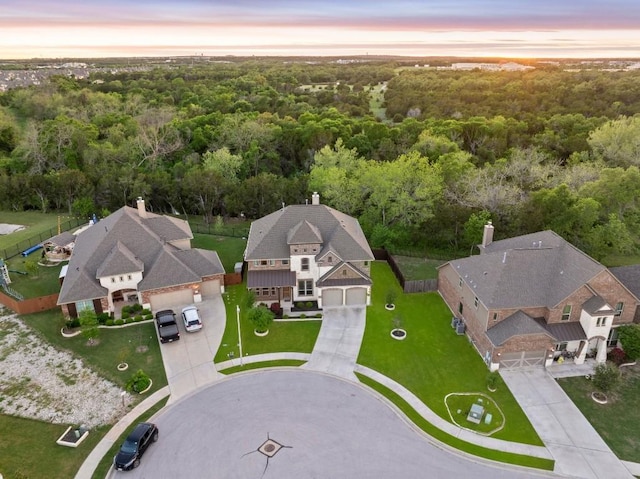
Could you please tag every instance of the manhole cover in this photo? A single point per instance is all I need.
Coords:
(269, 448)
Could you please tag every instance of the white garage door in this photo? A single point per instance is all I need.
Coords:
(209, 289)
(357, 296)
(171, 300)
(331, 297)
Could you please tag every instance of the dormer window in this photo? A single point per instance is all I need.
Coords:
(329, 259)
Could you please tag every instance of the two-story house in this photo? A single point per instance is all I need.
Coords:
(139, 256)
(308, 253)
(531, 299)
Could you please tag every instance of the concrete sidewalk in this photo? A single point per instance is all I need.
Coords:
(338, 344)
(577, 448)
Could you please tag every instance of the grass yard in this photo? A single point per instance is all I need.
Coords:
(44, 283)
(115, 345)
(432, 361)
(35, 223)
(414, 268)
(618, 421)
(289, 336)
(229, 249)
(292, 363)
(35, 453)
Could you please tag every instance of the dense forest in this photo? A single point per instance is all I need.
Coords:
(422, 156)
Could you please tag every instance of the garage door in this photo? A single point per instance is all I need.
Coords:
(331, 297)
(171, 300)
(523, 359)
(209, 289)
(356, 296)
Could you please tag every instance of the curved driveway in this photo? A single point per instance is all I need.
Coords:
(330, 428)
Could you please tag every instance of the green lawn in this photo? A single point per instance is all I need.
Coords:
(229, 249)
(114, 345)
(414, 268)
(45, 224)
(264, 364)
(432, 361)
(618, 421)
(289, 336)
(46, 281)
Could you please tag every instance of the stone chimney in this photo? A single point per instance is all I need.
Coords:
(315, 198)
(487, 235)
(142, 212)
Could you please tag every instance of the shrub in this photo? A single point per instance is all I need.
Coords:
(390, 297)
(126, 309)
(125, 314)
(303, 316)
(139, 381)
(492, 379)
(617, 356)
(606, 377)
(72, 323)
(630, 339)
(103, 317)
(318, 315)
(89, 324)
(136, 308)
(147, 312)
(109, 322)
(137, 318)
(118, 322)
(285, 316)
(308, 305)
(148, 316)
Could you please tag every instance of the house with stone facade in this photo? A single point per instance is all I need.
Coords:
(308, 253)
(536, 298)
(134, 255)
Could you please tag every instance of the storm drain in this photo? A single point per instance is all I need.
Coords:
(270, 448)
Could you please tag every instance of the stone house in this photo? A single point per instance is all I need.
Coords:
(531, 299)
(308, 253)
(137, 256)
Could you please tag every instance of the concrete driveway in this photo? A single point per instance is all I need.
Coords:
(189, 361)
(577, 448)
(338, 343)
(323, 427)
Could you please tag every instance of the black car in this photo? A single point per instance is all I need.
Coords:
(133, 448)
(167, 326)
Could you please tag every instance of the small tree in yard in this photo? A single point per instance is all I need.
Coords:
(261, 318)
(32, 267)
(390, 298)
(89, 324)
(606, 377)
(138, 382)
(629, 335)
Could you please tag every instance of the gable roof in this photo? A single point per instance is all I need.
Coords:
(518, 324)
(329, 279)
(539, 269)
(269, 236)
(629, 276)
(124, 242)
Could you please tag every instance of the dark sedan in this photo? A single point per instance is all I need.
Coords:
(133, 448)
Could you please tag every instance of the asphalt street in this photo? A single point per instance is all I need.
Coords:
(323, 427)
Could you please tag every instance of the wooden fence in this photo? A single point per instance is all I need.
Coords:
(413, 286)
(32, 305)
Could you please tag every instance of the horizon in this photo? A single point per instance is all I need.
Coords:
(30, 29)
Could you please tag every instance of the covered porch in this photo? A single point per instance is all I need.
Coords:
(273, 286)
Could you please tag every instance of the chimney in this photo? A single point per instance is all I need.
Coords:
(315, 198)
(141, 209)
(487, 235)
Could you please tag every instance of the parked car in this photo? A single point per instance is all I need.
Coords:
(135, 445)
(167, 326)
(191, 319)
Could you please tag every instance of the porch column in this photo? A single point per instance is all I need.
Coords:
(601, 356)
(582, 353)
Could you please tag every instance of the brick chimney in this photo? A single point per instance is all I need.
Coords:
(487, 235)
(315, 198)
(142, 212)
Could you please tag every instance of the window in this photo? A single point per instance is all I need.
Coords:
(561, 346)
(256, 263)
(84, 306)
(305, 287)
(566, 313)
(495, 316)
(460, 308)
(460, 283)
(475, 302)
(366, 263)
(344, 272)
(121, 279)
(619, 308)
(304, 264)
(265, 291)
(601, 322)
(263, 262)
(285, 261)
(329, 259)
(129, 277)
(612, 340)
(113, 280)
(272, 262)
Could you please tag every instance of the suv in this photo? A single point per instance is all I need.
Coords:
(133, 448)
(167, 326)
(191, 318)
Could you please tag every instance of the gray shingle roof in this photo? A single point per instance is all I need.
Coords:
(120, 260)
(268, 237)
(522, 272)
(629, 276)
(518, 324)
(304, 233)
(63, 239)
(145, 240)
(596, 304)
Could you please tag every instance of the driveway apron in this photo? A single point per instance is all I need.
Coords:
(577, 448)
(338, 343)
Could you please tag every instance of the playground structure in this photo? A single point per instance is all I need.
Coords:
(4, 273)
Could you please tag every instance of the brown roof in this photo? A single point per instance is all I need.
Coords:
(275, 278)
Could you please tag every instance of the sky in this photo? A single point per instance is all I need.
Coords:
(478, 28)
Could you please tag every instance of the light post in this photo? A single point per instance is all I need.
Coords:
(239, 335)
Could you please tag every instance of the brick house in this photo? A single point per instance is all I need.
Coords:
(531, 299)
(308, 253)
(135, 255)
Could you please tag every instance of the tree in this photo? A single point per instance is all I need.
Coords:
(261, 317)
(606, 377)
(89, 324)
(31, 266)
(616, 142)
(223, 162)
(474, 227)
(629, 335)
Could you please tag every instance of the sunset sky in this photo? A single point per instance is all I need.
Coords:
(505, 28)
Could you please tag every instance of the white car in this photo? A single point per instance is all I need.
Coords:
(191, 319)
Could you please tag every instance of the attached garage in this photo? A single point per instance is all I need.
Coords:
(356, 296)
(171, 299)
(523, 359)
(331, 297)
(209, 289)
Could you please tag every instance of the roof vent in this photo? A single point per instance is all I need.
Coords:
(504, 257)
(315, 198)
